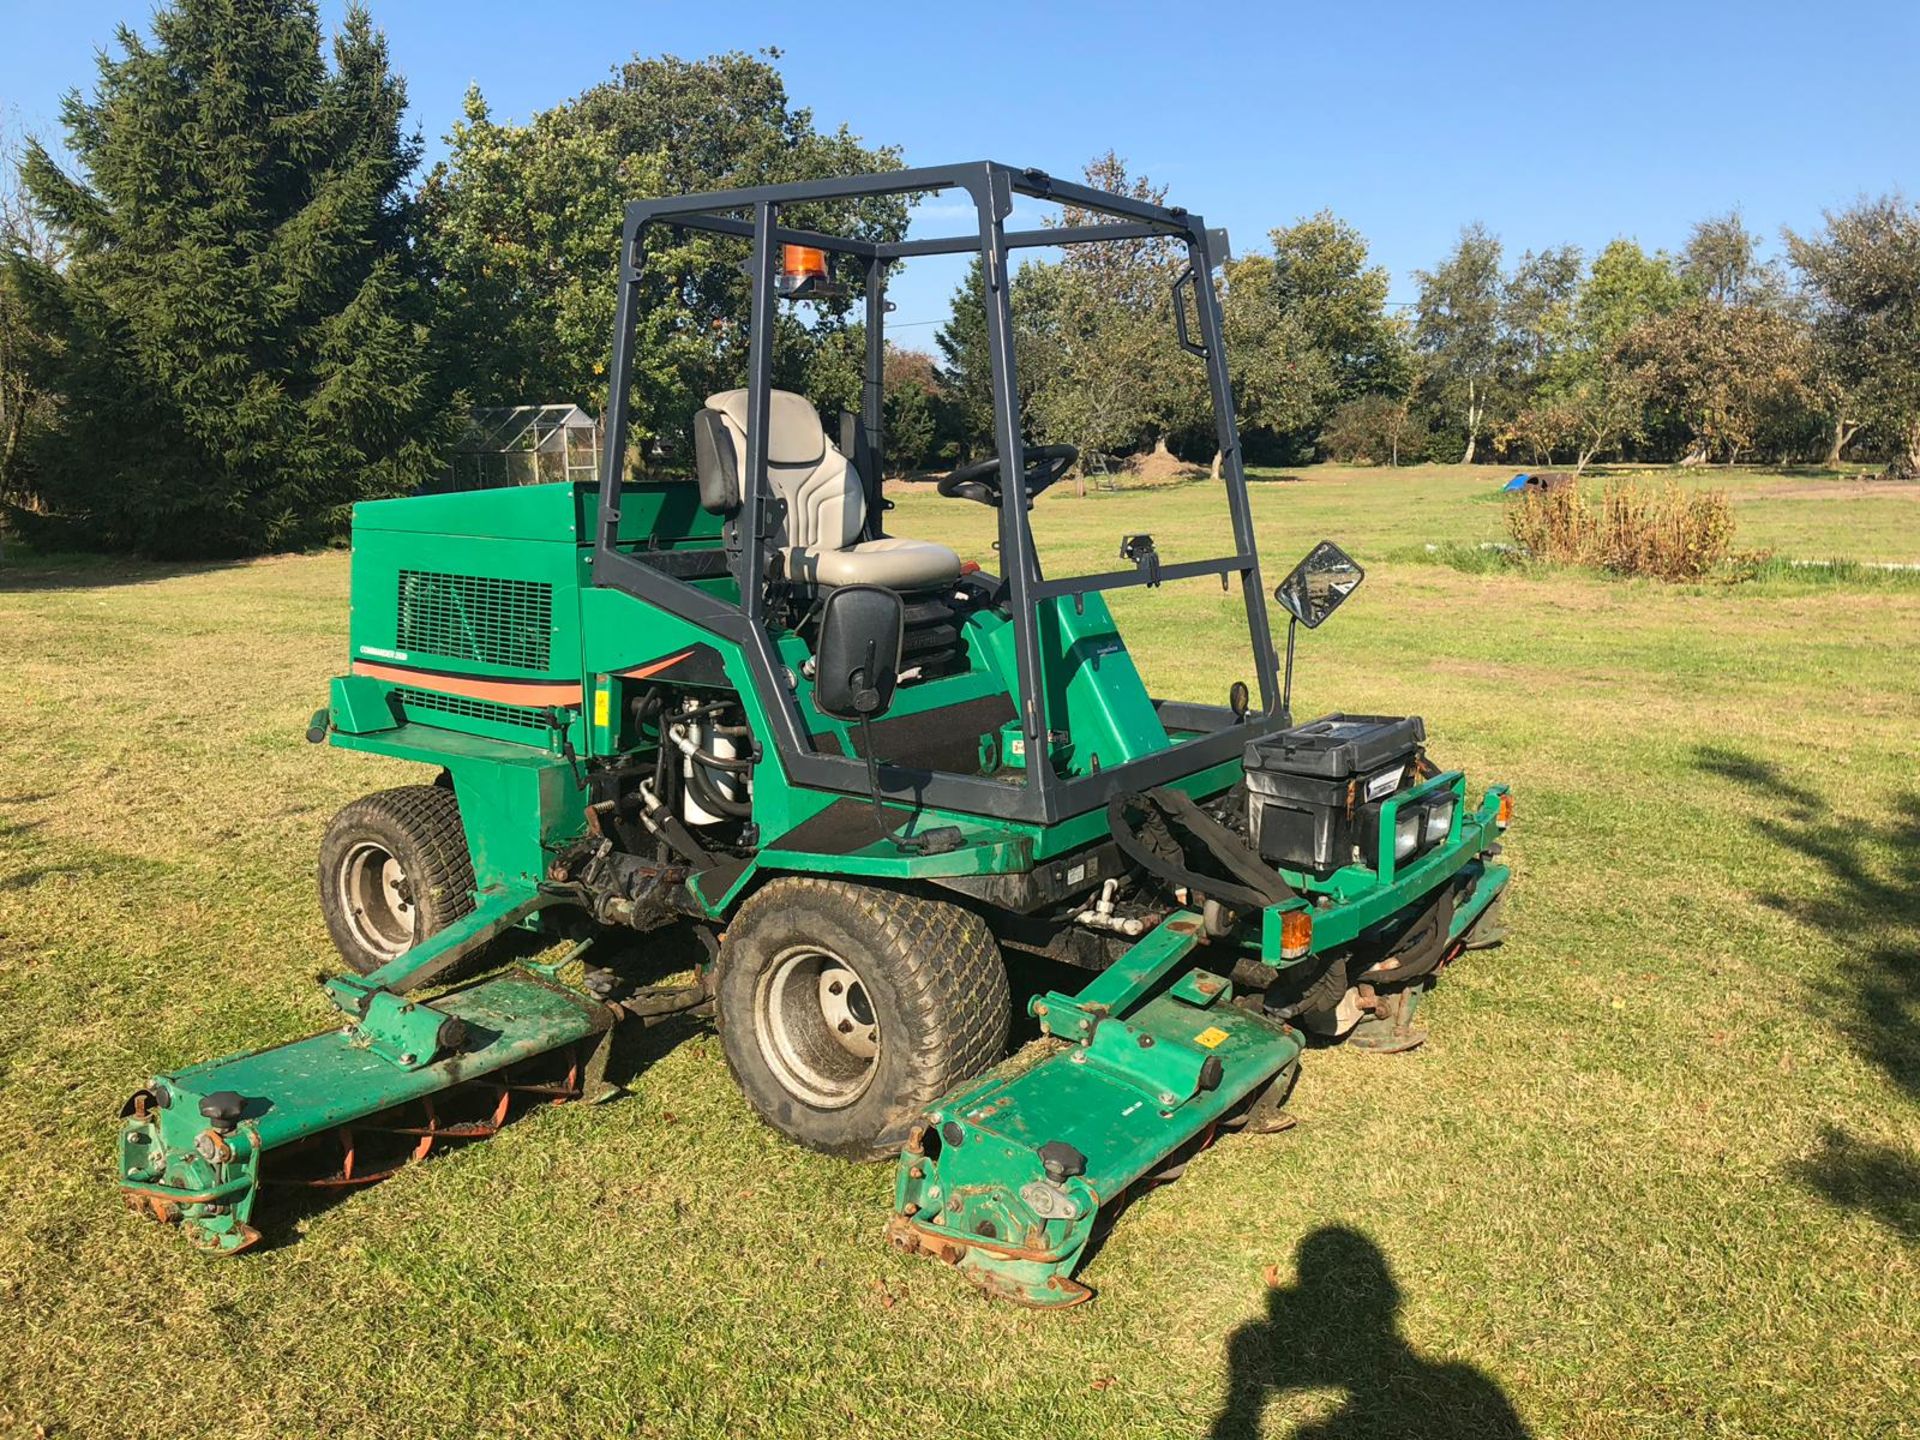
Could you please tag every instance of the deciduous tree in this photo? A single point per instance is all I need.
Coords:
(1458, 325)
(1722, 263)
(1284, 375)
(967, 367)
(1722, 368)
(1114, 331)
(918, 427)
(1864, 271)
(1625, 287)
(1537, 309)
(1374, 429)
(1325, 287)
(1585, 394)
(524, 225)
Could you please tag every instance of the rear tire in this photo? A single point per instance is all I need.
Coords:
(394, 869)
(846, 1010)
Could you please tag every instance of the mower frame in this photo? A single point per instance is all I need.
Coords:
(1216, 734)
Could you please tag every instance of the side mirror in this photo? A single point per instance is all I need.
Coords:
(1319, 583)
(856, 660)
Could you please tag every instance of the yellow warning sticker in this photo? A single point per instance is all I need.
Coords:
(1210, 1037)
(600, 707)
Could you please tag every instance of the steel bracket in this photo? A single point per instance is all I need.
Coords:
(407, 1034)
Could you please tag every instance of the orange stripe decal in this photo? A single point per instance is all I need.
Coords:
(500, 692)
(640, 672)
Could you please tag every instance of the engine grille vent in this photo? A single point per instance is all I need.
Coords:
(473, 617)
(472, 709)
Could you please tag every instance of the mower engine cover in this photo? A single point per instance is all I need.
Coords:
(1314, 792)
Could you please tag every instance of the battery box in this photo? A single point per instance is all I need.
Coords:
(1313, 792)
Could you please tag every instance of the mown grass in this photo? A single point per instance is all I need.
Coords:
(1655, 1174)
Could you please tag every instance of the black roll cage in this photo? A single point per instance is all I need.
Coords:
(754, 214)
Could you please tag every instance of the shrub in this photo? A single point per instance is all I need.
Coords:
(1375, 430)
(1665, 532)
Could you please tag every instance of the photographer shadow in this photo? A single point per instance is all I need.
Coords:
(1337, 1328)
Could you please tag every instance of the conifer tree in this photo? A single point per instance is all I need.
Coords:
(239, 336)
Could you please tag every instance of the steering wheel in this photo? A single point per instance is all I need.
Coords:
(980, 479)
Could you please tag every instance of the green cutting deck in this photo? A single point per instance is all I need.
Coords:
(202, 1169)
(1007, 1178)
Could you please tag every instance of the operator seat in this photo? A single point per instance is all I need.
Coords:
(826, 505)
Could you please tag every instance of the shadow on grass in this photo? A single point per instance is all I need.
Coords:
(1868, 907)
(16, 829)
(1338, 1327)
(29, 573)
(34, 874)
(309, 1178)
(312, 1177)
(1860, 1175)
(74, 860)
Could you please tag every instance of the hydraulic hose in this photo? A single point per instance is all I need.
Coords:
(685, 743)
(1252, 887)
(707, 795)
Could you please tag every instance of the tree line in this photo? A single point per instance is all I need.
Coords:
(236, 304)
(1709, 355)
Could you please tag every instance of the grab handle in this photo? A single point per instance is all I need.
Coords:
(1184, 280)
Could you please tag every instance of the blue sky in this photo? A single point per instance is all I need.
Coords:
(1550, 123)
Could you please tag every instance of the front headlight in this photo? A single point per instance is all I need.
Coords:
(1439, 821)
(1406, 832)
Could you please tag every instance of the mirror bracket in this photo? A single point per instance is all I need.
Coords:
(1312, 591)
(1140, 550)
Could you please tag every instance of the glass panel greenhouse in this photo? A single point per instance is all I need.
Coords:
(524, 445)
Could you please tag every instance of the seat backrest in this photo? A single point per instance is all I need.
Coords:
(826, 504)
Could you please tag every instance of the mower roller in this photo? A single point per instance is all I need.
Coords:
(867, 776)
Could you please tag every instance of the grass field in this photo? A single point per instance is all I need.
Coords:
(1657, 1173)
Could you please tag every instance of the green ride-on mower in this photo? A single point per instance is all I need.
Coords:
(865, 774)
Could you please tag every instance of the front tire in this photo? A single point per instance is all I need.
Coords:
(846, 1010)
(394, 869)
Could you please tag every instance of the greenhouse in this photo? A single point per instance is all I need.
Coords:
(524, 445)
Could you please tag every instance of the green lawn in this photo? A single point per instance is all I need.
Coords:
(1657, 1173)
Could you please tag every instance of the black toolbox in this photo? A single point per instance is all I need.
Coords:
(1314, 792)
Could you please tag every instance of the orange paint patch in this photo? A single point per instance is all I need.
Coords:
(654, 667)
(500, 692)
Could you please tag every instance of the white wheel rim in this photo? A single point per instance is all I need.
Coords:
(816, 1027)
(377, 899)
